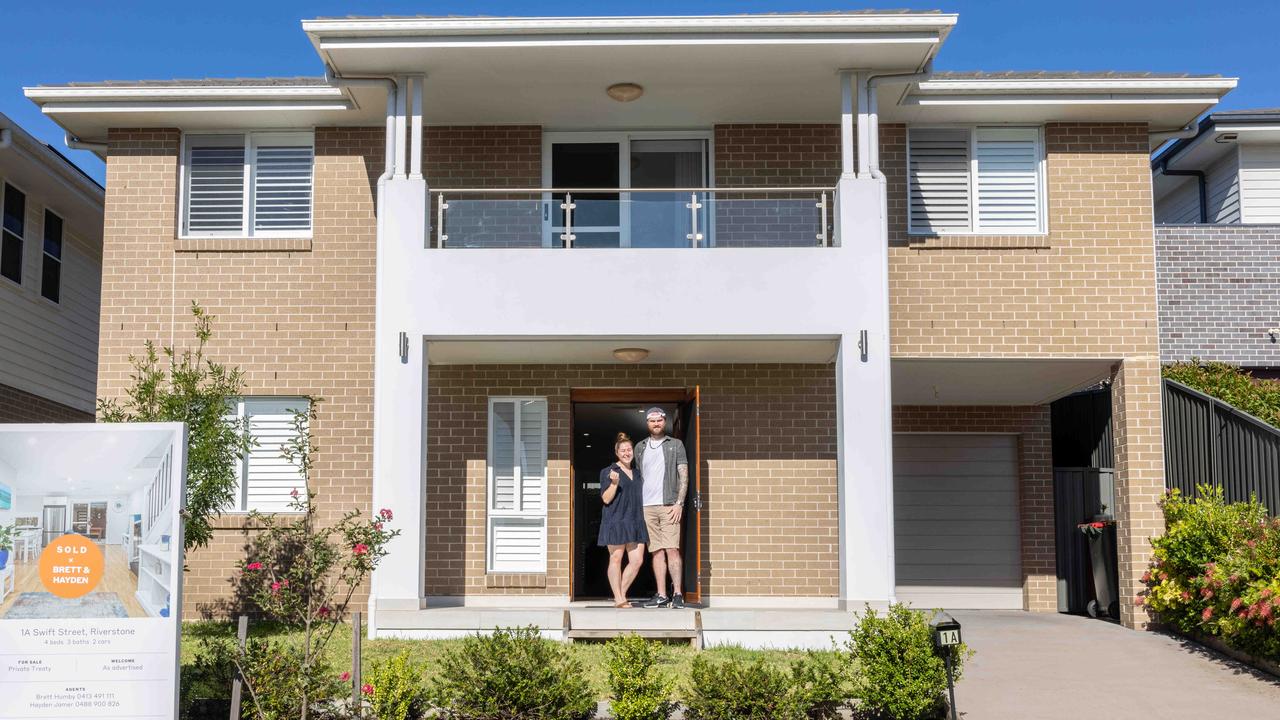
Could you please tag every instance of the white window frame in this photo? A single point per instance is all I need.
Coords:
(623, 139)
(251, 139)
(237, 412)
(1042, 214)
(517, 513)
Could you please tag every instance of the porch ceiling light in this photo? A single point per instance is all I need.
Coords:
(625, 92)
(631, 355)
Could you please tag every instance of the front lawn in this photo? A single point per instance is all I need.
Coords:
(338, 651)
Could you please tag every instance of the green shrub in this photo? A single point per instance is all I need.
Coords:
(638, 690)
(1230, 384)
(1216, 571)
(900, 674)
(509, 675)
(398, 689)
(813, 687)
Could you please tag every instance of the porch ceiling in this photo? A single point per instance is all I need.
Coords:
(986, 381)
(560, 351)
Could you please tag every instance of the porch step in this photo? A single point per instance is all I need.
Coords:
(655, 624)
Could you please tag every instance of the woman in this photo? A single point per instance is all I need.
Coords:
(622, 527)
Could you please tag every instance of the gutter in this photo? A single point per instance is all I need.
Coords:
(76, 143)
(1200, 186)
(393, 99)
(873, 112)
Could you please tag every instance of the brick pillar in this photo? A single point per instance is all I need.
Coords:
(1139, 450)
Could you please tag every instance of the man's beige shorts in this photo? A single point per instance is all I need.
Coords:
(663, 533)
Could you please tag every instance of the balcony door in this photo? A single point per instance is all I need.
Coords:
(614, 163)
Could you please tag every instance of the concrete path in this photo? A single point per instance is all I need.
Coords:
(1050, 666)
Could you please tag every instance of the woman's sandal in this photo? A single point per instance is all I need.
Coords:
(621, 605)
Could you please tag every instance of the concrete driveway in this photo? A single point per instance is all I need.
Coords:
(1050, 666)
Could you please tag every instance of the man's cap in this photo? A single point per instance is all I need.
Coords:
(655, 411)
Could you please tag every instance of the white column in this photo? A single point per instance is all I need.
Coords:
(848, 111)
(415, 158)
(400, 365)
(863, 403)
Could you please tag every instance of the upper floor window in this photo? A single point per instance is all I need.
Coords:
(12, 230)
(51, 270)
(267, 477)
(986, 180)
(248, 184)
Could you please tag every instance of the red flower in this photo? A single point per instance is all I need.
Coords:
(285, 583)
(293, 493)
(360, 549)
(345, 676)
(1186, 596)
(323, 611)
(1097, 525)
(253, 566)
(367, 689)
(1207, 615)
(377, 526)
(1235, 604)
(1146, 576)
(275, 587)
(385, 513)
(1139, 600)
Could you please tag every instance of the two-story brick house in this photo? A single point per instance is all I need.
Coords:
(489, 243)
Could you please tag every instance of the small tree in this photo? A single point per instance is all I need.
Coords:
(304, 575)
(173, 386)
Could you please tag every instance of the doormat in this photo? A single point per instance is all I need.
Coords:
(43, 605)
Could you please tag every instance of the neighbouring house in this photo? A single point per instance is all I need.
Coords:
(50, 277)
(855, 284)
(1217, 212)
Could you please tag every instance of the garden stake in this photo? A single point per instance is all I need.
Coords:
(355, 662)
(242, 632)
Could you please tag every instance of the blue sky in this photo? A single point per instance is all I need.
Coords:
(61, 41)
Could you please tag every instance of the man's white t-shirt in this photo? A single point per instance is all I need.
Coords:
(653, 467)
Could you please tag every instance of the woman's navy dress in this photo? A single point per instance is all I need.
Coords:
(623, 519)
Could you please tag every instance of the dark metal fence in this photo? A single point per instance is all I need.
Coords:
(1207, 441)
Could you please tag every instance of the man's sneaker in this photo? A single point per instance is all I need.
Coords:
(658, 601)
(677, 601)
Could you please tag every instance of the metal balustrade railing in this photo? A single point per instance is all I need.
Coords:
(570, 218)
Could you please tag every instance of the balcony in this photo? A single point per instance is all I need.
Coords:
(602, 218)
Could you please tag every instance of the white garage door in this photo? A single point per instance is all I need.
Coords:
(955, 515)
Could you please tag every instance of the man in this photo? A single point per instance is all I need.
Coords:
(665, 470)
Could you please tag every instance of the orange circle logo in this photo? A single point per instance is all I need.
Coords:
(71, 566)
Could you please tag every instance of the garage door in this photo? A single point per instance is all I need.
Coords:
(955, 505)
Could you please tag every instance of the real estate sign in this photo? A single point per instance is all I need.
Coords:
(91, 580)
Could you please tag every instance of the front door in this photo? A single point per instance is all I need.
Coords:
(688, 430)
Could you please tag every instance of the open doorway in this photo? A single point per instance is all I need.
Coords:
(597, 417)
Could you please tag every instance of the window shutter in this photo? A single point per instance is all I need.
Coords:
(281, 185)
(939, 180)
(1008, 196)
(502, 455)
(270, 478)
(533, 456)
(517, 522)
(516, 545)
(215, 185)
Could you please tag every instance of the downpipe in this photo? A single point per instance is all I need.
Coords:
(393, 98)
(76, 143)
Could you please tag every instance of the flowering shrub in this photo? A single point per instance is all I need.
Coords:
(304, 575)
(1217, 571)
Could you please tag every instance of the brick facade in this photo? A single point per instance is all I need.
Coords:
(1219, 288)
(297, 315)
(769, 520)
(1035, 486)
(296, 322)
(19, 406)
